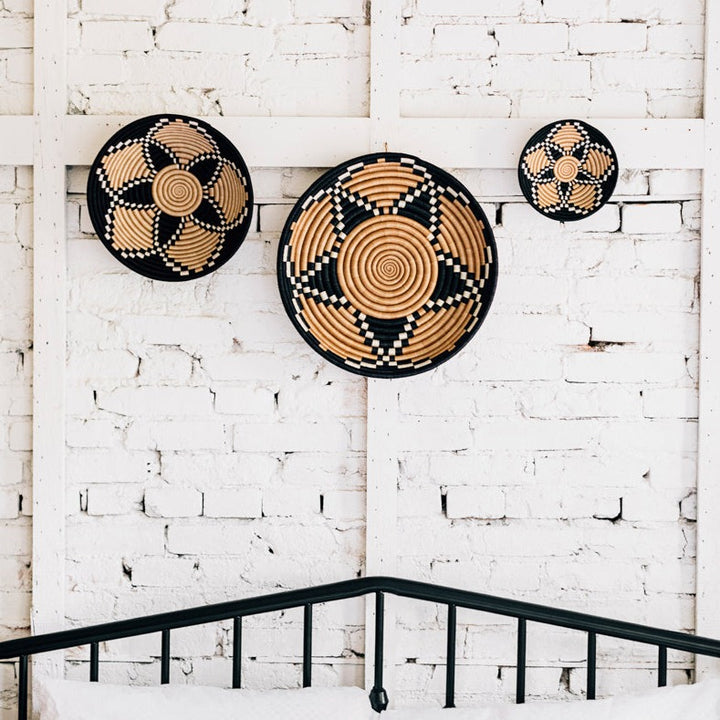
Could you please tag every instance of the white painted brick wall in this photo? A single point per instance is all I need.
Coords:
(214, 58)
(213, 455)
(603, 59)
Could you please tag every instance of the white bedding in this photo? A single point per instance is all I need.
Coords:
(68, 700)
(683, 702)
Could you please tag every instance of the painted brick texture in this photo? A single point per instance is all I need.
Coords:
(255, 57)
(212, 455)
(215, 454)
(15, 415)
(527, 58)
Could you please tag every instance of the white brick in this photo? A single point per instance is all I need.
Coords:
(312, 9)
(269, 12)
(646, 505)
(670, 403)
(324, 39)
(233, 503)
(109, 36)
(531, 38)
(16, 33)
(675, 182)
(469, 7)
(162, 572)
(609, 38)
(202, 539)
(244, 400)
(651, 218)
(466, 502)
(192, 332)
(291, 502)
(129, 8)
(624, 367)
(648, 72)
(176, 435)
(20, 436)
(344, 505)
(96, 69)
(209, 37)
(173, 502)
(9, 504)
(109, 500)
(163, 401)
(291, 437)
(683, 39)
(120, 539)
(520, 73)
(463, 40)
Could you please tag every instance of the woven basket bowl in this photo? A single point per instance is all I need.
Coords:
(170, 197)
(387, 265)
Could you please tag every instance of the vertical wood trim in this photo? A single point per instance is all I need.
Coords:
(708, 477)
(50, 97)
(381, 517)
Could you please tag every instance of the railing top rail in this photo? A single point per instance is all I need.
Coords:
(355, 588)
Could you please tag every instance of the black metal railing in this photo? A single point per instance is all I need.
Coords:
(452, 598)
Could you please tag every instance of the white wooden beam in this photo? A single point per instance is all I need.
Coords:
(48, 599)
(447, 142)
(708, 476)
(477, 143)
(262, 141)
(382, 466)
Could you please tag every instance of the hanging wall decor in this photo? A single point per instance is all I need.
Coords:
(387, 265)
(568, 170)
(170, 197)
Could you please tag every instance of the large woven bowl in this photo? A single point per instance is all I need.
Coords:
(387, 265)
(568, 170)
(170, 197)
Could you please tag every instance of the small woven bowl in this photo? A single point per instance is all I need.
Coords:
(568, 170)
(170, 197)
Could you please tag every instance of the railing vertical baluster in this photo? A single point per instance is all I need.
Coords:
(521, 652)
(450, 666)
(94, 662)
(591, 665)
(662, 665)
(307, 646)
(237, 653)
(378, 696)
(165, 658)
(23, 688)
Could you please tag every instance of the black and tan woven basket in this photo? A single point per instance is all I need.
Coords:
(568, 170)
(170, 197)
(387, 265)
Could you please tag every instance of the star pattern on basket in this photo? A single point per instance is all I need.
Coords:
(570, 171)
(169, 193)
(322, 278)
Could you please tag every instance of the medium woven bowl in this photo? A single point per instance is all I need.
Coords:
(170, 197)
(568, 170)
(387, 265)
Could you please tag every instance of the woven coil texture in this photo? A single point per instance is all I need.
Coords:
(568, 170)
(387, 265)
(170, 197)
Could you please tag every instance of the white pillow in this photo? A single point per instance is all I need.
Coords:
(698, 702)
(69, 700)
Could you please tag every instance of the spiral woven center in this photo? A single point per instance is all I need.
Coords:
(387, 268)
(176, 192)
(566, 168)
